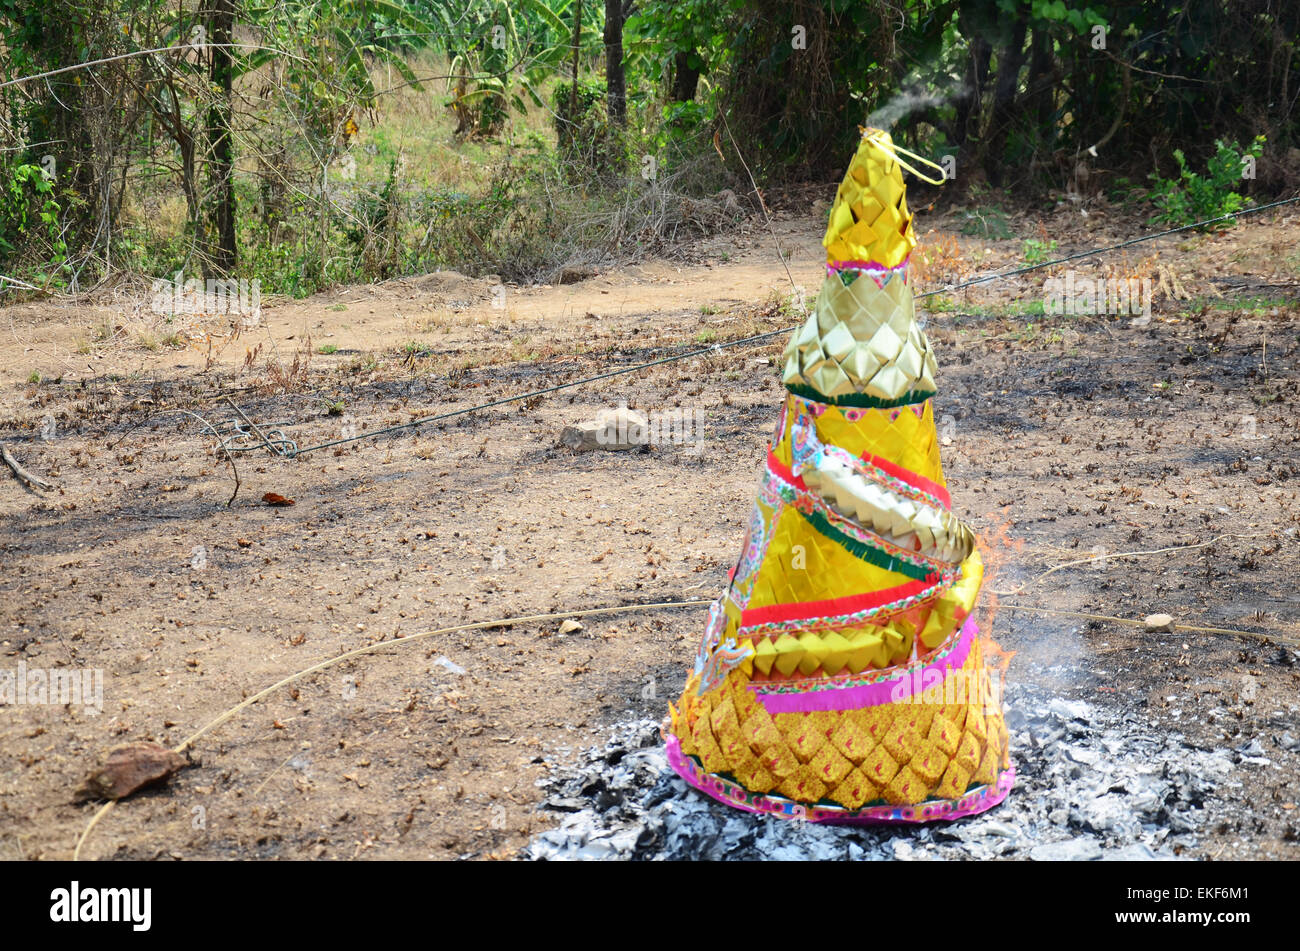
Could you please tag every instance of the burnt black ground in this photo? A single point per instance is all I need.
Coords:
(1065, 438)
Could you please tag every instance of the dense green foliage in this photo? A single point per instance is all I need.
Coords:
(1037, 94)
(1016, 90)
(1194, 197)
(25, 199)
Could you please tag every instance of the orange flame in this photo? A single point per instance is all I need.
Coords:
(995, 549)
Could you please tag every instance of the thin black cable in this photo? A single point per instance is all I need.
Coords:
(292, 452)
(550, 389)
(1113, 247)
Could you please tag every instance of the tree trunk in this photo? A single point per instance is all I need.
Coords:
(685, 78)
(970, 104)
(615, 82)
(1010, 59)
(189, 178)
(577, 38)
(221, 22)
(1038, 87)
(977, 21)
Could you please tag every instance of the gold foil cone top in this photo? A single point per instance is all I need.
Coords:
(870, 222)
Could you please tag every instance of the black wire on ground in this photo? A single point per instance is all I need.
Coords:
(291, 450)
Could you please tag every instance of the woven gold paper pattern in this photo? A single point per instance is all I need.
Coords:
(861, 339)
(899, 753)
(855, 574)
(869, 220)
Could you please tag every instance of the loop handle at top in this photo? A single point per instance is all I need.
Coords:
(895, 149)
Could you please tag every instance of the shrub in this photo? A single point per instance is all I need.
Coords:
(29, 217)
(1193, 197)
(583, 131)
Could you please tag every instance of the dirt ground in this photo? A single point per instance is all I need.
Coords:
(1065, 438)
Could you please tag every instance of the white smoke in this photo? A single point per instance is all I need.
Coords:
(903, 103)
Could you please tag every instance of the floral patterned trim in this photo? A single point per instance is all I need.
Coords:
(804, 443)
(845, 604)
(914, 480)
(863, 400)
(758, 536)
(853, 619)
(712, 637)
(724, 659)
(873, 269)
(861, 541)
(809, 454)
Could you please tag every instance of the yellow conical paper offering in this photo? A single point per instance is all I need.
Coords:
(841, 677)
